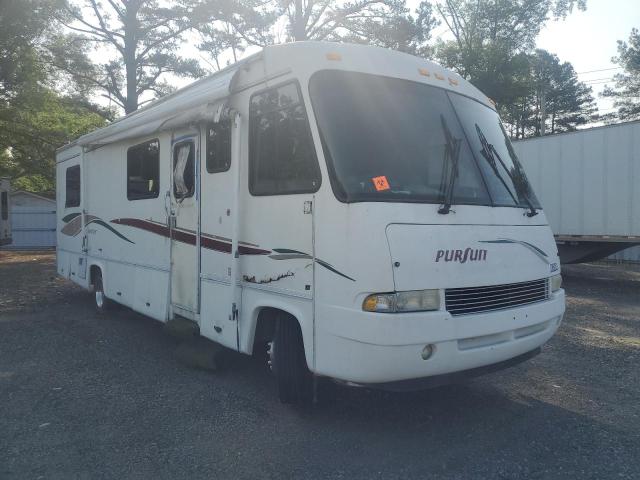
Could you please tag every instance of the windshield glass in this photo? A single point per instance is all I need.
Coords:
(400, 141)
(505, 176)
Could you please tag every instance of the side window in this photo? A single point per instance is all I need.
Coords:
(184, 169)
(143, 170)
(282, 158)
(5, 206)
(219, 146)
(72, 192)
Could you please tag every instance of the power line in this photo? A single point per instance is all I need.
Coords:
(436, 36)
(599, 70)
(596, 83)
(606, 79)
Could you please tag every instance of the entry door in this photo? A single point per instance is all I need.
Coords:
(184, 225)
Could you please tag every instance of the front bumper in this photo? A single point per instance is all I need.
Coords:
(449, 378)
(369, 348)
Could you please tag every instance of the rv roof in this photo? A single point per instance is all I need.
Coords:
(201, 99)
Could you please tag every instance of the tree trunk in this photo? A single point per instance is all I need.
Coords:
(130, 61)
(299, 30)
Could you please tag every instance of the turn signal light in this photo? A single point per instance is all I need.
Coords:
(556, 283)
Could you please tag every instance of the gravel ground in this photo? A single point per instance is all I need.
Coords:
(83, 396)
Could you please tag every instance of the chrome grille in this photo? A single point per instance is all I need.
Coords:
(464, 301)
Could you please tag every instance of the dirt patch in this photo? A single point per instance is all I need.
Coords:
(29, 282)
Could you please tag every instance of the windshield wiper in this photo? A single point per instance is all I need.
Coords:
(451, 154)
(490, 154)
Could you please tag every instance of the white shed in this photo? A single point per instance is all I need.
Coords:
(33, 221)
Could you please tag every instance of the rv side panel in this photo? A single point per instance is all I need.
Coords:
(113, 231)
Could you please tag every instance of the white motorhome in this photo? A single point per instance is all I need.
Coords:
(5, 212)
(357, 211)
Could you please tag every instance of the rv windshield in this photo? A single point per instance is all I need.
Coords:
(393, 140)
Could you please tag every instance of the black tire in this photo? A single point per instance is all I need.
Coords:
(295, 382)
(103, 304)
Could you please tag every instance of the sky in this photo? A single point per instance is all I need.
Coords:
(589, 39)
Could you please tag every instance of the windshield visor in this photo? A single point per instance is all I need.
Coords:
(394, 140)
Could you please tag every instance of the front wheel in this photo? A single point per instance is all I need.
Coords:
(289, 364)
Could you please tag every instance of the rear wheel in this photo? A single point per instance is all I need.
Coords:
(289, 364)
(102, 302)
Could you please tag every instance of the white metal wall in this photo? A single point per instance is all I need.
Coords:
(588, 181)
(33, 227)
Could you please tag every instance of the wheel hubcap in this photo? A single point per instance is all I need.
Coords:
(99, 298)
(270, 353)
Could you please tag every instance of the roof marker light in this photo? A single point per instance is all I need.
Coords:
(424, 72)
(438, 76)
(334, 56)
(453, 81)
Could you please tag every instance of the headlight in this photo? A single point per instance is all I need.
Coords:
(556, 283)
(410, 301)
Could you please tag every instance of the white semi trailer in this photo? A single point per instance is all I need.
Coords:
(589, 184)
(5, 216)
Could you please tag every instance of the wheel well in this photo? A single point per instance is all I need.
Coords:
(94, 271)
(266, 325)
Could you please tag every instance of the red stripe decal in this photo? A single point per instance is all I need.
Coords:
(188, 237)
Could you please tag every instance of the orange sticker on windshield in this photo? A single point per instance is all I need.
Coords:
(380, 183)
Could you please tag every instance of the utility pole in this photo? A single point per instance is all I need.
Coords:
(543, 111)
(299, 27)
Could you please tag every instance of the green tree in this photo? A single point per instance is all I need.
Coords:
(330, 19)
(397, 30)
(626, 93)
(569, 102)
(228, 27)
(139, 40)
(555, 100)
(40, 108)
(18, 29)
(386, 23)
(489, 36)
(32, 129)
